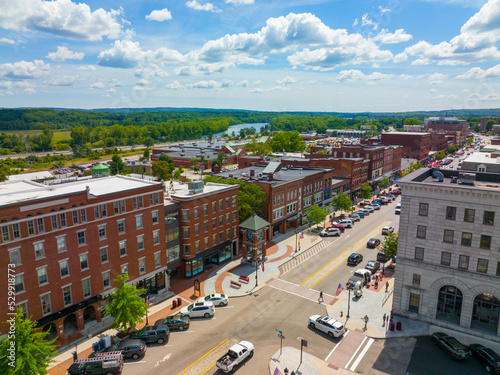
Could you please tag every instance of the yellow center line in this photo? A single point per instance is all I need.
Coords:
(204, 355)
(377, 230)
(208, 369)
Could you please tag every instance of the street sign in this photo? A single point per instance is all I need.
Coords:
(304, 343)
(281, 336)
(277, 330)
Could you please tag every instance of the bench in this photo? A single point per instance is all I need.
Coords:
(235, 284)
(244, 278)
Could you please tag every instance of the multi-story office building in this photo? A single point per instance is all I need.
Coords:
(208, 223)
(448, 261)
(415, 145)
(70, 241)
(448, 125)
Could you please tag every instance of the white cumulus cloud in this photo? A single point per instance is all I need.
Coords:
(286, 81)
(478, 73)
(7, 41)
(357, 75)
(63, 53)
(25, 69)
(386, 37)
(208, 7)
(159, 15)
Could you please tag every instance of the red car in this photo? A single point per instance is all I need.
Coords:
(340, 227)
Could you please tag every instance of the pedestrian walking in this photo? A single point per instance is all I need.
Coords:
(320, 297)
(376, 284)
(383, 320)
(386, 286)
(365, 320)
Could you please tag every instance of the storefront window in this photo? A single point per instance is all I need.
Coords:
(172, 234)
(173, 253)
(225, 254)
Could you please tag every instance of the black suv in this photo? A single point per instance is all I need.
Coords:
(134, 349)
(354, 259)
(487, 357)
(454, 348)
(101, 365)
(381, 257)
(149, 334)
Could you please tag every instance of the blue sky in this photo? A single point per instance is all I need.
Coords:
(293, 55)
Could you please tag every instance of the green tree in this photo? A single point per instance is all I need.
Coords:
(32, 352)
(452, 148)
(259, 148)
(489, 125)
(216, 162)
(341, 202)
(287, 141)
(390, 244)
(440, 155)
(366, 190)
(412, 121)
(210, 136)
(116, 165)
(146, 154)
(178, 173)
(315, 215)
(4, 172)
(163, 170)
(149, 142)
(127, 307)
(384, 182)
(470, 140)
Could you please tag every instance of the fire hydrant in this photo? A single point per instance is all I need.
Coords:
(341, 313)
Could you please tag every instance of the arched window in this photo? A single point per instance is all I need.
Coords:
(485, 313)
(449, 306)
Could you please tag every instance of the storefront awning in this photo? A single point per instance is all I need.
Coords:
(329, 200)
(294, 217)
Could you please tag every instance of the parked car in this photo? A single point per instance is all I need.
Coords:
(387, 230)
(360, 213)
(216, 298)
(330, 232)
(354, 217)
(397, 211)
(366, 211)
(382, 257)
(354, 259)
(373, 243)
(150, 334)
(485, 355)
(339, 227)
(199, 310)
(369, 208)
(377, 202)
(381, 201)
(362, 275)
(454, 348)
(131, 349)
(110, 365)
(372, 266)
(330, 326)
(175, 322)
(346, 223)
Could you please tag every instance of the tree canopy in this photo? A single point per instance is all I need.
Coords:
(341, 202)
(390, 244)
(116, 165)
(366, 190)
(384, 182)
(287, 141)
(315, 215)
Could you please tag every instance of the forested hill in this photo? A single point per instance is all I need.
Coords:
(37, 118)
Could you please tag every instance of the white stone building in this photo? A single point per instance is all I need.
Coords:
(448, 261)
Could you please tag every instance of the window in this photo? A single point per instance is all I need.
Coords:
(116, 206)
(173, 253)
(228, 234)
(221, 221)
(449, 306)
(214, 239)
(414, 302)
(53, 220)
(67, 295)
(154, 215)
(235, 200)
(185, 232)
(39, 250)
(172, 234)
(451, 213)
(227, 218)
(106, 280)
(61, 244)
(156, 237)
(448, 235)
(227, 202)
(214, 207)
(421, 231)
(221, 205)
(157, 259)
(205, 209)
(489, 218)
(416, 279)
(16, 231)
(196, 214)
(24, 306)
(15, 256)
(123, 205)
(84, 261)
(482, 265)
(97, 213)
(197, 246)
(234, 232)
(124, 268)
(42, 276)
(104, 254)
(81, 238)
(205, 226)
(40, 225)
(469, 215)
(419, 253)
(485, 242)
(123, 248)
(466, 239)
(142, 265)
(140, 242)
(86, 288)
(221, 237)
(5, 233)
(445, 258)
(138, 222)
(121, 226)
(75, 217)
(83, 215)
(206, 243)
(157, 198)
(197, 229)
(185, 215)
(31, 227)
(19, 283)
(64, 268)
(463, 262)
(214, 223)
(141, 201)
(102, 232)
(187, 251)
(104, 209)
(63, 220)
(498, 268)
(46, 305)
(423, 209)
(235, 213)
(134, 203)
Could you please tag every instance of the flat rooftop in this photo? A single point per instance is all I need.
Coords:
(180, 190)
(16, 192)
(406, 133)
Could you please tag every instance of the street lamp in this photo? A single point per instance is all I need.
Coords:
(349, 287)
(257, 259)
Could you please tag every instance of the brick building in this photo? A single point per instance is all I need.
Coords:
(484, 120)
(439, 141)
(415, 145)
(208, 224)
(448, 125)
(70, 241)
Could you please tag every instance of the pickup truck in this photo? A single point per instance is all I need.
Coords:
(235, 355)
(359, 275)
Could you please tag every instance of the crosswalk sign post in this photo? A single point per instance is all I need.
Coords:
(280, 335)
(303, 343)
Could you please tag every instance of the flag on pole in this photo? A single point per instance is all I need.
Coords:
(340, 288)
(147, 300)
(262, 265)
(277, 372)
(301, 235)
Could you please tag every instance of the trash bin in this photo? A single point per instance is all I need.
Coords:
(174, 303)
(95, 346)
(391, 326)
(398, 326)
(179, 301)
(101, 344)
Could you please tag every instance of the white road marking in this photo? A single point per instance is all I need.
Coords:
(356, 363)
(133, 363)
(356, 352)
(335, 347)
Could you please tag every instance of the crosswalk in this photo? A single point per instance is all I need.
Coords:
(303, 256)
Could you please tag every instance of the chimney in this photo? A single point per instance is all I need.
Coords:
(270, 176)
(252, 172)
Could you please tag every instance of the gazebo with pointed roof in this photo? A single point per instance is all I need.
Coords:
(254, 232)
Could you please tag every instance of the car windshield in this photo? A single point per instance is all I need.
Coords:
(493, 355)
(190, 307)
